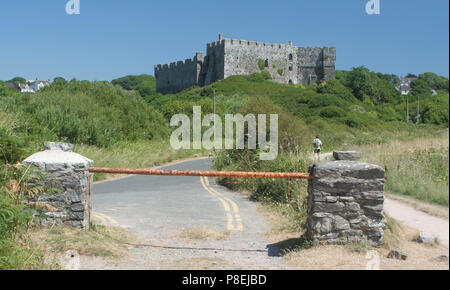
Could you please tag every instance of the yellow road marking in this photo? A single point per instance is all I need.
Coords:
(106, 218)
(237, 215)
(230, 225)
(96, 216)
(224, 200)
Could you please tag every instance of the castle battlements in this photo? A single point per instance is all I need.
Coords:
(286, 63)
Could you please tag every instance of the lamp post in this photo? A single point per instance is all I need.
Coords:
(407, 111)
(214, 109)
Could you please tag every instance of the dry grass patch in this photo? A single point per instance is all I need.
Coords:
(203, 233)
(99, 241)
(299, 254)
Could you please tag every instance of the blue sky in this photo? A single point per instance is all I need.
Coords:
(114, 38)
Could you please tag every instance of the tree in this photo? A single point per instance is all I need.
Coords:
(366, 83)
(18, 80)
(420, 88)
(434, 81)
(59, 81)
(436, 110)
(335, 87)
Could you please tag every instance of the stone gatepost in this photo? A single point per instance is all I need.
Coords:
(67, 186)
(345, 201)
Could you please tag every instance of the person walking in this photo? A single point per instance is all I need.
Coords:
(317, 145)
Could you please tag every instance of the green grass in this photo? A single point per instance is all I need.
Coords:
(422, 174)
(417, 168)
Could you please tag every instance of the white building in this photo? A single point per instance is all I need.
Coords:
(405, 85)
(36, 85)
(32, 86)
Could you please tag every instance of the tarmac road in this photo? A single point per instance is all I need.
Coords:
(158, 208)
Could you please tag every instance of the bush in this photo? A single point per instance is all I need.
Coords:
(335, 87)
(388, 114)
(15, 254)
(95, 113)
(332, 112)
(266, 75)
(255, 77)
(436, 111)
(325, 101)
(12, 148)
(356, 119)
(261, 64)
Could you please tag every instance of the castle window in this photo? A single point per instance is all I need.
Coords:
(290, 82)
(291, 67)
(266, 63)
(291, 56)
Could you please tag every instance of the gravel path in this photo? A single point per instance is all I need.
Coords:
(418, 220)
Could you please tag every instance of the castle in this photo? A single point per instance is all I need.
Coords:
(287, 64)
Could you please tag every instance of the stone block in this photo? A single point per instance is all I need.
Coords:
(351, 195)
(347, 155)
(65, 179)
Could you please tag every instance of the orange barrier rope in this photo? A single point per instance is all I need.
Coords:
(293, 175)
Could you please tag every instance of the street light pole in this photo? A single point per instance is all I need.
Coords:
(418, 110)
(214, 108)
(407, 110)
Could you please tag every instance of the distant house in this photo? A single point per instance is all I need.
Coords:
(37, 85)
(405, 85)
(25, 88)
(31, 86)
(12, 86)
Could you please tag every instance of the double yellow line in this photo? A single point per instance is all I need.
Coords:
(104, 219)
(234, 220)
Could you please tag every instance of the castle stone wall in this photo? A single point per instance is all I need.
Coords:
(287, 64)
(178, 76)
(242, 58)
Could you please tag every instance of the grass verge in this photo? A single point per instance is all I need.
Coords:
(417, 168)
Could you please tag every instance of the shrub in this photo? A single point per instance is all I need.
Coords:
(255, 77)
(356, 119)
(388, 114)
(336, 88)
(436, 111)
(266, 75)
(261, 64)
(95, 113)
(332, 112)
(325, 101)
(12, 148)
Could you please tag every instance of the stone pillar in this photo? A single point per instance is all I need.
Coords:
(345, 201)
(66, 182)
